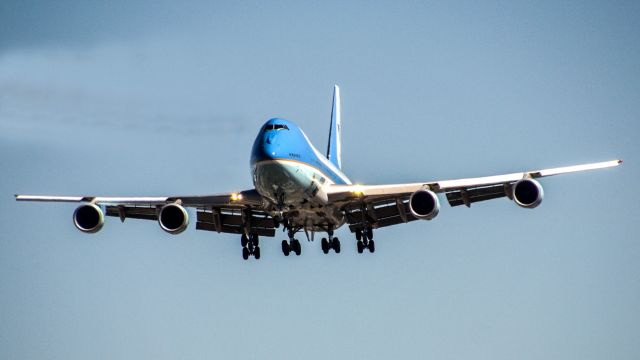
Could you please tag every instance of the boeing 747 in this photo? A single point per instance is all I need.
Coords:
(303, 190)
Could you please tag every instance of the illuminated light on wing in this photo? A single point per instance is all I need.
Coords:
(357, 190)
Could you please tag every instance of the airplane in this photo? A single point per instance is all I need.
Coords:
(302, 190)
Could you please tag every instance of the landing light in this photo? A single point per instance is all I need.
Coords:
(357, 191)
(236, 197)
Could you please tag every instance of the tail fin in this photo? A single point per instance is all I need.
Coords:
(334, 148)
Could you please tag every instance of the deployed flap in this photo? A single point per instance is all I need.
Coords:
(378, 214)
(470, 195)
(236, 221)
(334, 151)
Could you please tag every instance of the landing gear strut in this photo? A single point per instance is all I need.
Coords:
(250, 246)
(365, 240)
(291, 245)
(331, 243)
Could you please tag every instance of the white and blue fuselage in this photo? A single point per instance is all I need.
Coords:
(292, 174)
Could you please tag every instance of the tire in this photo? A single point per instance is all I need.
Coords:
(255, 239)
(243, 240)
(245, 253)
(336, 245)
(372, 246)
(296, 247)
(325, 246)
(358, 234)
(256, 253)
(286, 249)
(370, 233)
(360, 247)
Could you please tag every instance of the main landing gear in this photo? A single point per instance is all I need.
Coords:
(365, 240)
(331, 243)
(291, 245)
(250, 246)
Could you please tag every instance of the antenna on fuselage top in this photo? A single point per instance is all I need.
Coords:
(334, 148)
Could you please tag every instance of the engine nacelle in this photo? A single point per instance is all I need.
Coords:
(173, 218)
(88, 218)
(424, 204)
(527, 193)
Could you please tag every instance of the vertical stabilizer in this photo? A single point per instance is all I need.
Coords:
(334, 151)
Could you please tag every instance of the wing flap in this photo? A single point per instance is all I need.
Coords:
(132, 212)
(234, 221)
(234, 229)
(378, 214)
(468, 196)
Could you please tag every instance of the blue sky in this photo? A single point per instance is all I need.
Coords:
(157, 98)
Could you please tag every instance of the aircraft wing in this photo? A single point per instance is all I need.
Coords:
(240, 199)
(385, 205)
(227, 212)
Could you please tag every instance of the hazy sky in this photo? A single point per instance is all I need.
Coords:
(161, 98)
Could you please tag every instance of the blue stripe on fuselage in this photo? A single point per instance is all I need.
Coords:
(277, 142)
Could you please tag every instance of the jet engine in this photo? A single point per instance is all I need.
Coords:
(88, 218)
(424, 204)
(527, 193)
(173, 218)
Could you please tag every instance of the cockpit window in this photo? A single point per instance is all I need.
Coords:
(276, 127)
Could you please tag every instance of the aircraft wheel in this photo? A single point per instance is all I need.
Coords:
(296, 247)
(325, 246)
(370, 233)
(336, 245)
(244, 240)
(358, 234)
(245, 253)
(286, 249)
(360, 247)
(372, 246)
(256, 253)
(255, 240)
